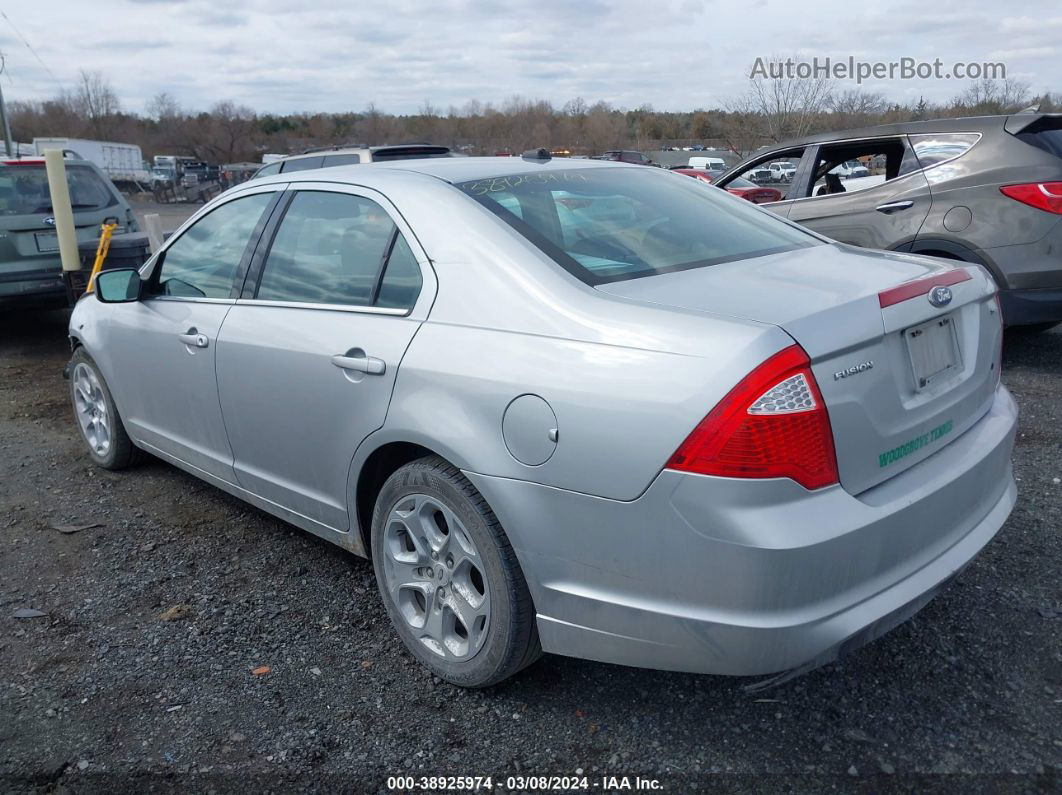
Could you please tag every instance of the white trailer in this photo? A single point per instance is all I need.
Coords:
(120, 162)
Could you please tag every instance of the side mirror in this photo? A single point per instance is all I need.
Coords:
(119, 286)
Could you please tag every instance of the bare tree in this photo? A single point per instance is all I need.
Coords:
(994, 96)
(96, 101)
(784, 106)
(163, 107)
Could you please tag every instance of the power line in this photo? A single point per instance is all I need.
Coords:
(30, 48)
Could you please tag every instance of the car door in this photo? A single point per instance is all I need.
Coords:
(307, 359)
(164, 345)
(880, 211)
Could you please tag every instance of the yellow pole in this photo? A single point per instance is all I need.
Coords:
(61, 209)
(101, 253)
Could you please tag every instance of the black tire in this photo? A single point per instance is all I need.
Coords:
(511, 636)
(121, 452)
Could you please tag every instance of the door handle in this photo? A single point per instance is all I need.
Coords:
(893, 207)
(194, 338)
(360, 364)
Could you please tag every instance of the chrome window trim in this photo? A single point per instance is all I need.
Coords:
(368, 310)
(189, 299)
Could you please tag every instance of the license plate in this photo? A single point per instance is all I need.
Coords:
(934, 351)
(47, 241)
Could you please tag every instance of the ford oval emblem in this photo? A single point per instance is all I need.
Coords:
(50, 221)
(940, 296)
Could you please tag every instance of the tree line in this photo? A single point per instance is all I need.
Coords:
(765, 113)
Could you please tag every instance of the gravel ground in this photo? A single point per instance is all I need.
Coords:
(140, 675)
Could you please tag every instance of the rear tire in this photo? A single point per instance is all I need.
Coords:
(449, 578)
(109, 446)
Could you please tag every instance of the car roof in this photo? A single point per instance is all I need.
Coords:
(456, 169)
(978, 124)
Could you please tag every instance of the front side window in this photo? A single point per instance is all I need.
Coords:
(202, 262)
(611, 224)
(333, 248)
(268, 171)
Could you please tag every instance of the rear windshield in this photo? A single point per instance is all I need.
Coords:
(24, 190)
(613, 224)
(1044, 134)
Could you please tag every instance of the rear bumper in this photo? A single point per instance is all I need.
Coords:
(1026, 307)
(30, 284)
(725, 576)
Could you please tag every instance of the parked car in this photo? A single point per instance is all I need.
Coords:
(346, 156)
(627, 156)
(783, 171)
(739, 187)
(714, 441)
(31, 271)
(757, 194)
(760, 175)
(850, 169)
(985, 190)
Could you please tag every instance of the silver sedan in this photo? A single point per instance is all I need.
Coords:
(568, 406)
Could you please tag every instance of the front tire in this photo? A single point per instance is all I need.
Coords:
(449, 577)
(109, 446)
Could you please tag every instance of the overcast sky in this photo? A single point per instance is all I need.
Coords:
(308, 55)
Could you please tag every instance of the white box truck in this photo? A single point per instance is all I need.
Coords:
(120, 162)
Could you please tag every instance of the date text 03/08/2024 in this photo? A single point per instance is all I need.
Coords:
(526, 783)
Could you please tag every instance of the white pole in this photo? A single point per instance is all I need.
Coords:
(153, 227)
(61, 209)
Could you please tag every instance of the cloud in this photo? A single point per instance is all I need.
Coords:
(332, 55)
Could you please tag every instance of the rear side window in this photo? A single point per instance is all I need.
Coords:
(402, 280)
(202, 262)
(612, 224)
(301, 164)
(333, 248)
(341, 160)
(933, 149)
(24, 190)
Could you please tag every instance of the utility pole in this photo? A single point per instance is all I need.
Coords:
(3, 112)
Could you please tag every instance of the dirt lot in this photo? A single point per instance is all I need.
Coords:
(139, 676)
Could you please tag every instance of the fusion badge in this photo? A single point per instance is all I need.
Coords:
(855, 369)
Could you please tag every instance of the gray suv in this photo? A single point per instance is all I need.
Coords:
(986, 190)
(30, 269)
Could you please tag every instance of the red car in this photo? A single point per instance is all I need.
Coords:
(739, 187)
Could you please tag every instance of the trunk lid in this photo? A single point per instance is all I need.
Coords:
(901, 377)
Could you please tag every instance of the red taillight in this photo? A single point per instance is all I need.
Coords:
(773, 424)
(909, 290)
(1045, 196)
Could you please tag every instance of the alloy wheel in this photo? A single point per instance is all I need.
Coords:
(436, 578)
(90, 404)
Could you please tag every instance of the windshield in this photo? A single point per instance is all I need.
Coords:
(607, 225)
(24, 190)
(785, 165)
